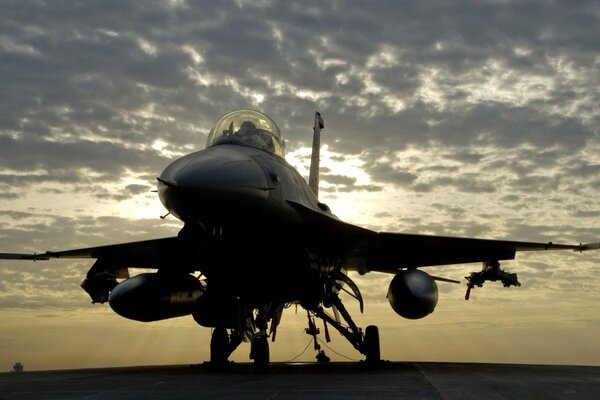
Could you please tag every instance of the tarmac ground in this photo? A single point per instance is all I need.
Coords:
(410, 380)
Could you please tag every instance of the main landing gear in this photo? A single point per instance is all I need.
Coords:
(371, 348)
(222, 343)
(259, 352)
(313, 331)
(366, 343)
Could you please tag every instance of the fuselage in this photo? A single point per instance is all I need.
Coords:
(241, 203)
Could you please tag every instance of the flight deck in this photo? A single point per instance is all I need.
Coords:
(310, 381)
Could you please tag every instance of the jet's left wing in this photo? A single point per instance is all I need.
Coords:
(387, 252)
(365, 250)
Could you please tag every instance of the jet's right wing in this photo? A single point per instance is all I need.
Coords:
(154, 253)
(170, 255)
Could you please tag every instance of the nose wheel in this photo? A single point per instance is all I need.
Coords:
(259, 345)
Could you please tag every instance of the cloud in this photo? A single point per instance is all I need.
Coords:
(471, 118)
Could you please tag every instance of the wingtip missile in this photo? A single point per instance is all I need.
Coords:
(588, 247)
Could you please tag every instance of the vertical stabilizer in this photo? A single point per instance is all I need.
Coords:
(315, 159)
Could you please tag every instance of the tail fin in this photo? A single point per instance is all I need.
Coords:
(315, 159)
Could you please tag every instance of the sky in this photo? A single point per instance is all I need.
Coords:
(471, 118)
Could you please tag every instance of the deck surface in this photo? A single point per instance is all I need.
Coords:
(310, 381)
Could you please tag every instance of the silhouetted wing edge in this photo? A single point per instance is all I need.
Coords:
(365, 250)
(21, 256)
(389, 251)
(146, 253)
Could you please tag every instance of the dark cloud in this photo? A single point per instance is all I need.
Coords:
(586, 214)
(9, 195)
(467, 183)
(338, 179)
(360, 188)
(384, 172)
(68, 161)
(465, 156)
(137, 189)
(454, 211)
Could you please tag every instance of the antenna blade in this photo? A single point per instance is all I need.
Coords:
(313, 178)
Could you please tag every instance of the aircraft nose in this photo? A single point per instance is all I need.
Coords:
(212, 182)
(206, 173)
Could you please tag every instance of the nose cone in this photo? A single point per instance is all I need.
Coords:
(211, 170)
(212, 183)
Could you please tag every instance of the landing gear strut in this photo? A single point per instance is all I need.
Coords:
(313, 331)
(367, 344)
(222, 345)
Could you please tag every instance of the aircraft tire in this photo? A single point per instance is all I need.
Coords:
(219, 345)
(371, 345)
(260, 353)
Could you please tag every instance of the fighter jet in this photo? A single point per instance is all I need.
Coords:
(256, 240)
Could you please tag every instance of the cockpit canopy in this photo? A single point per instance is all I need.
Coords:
(249, 128)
